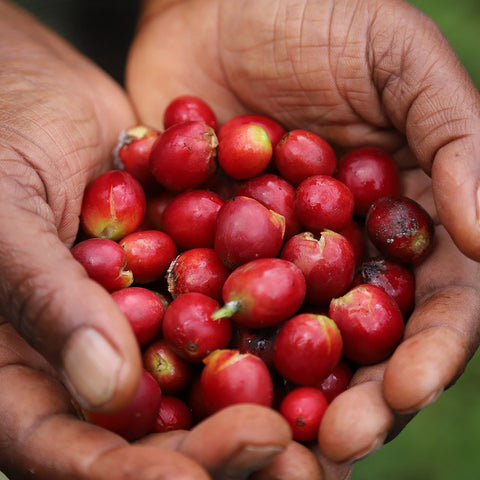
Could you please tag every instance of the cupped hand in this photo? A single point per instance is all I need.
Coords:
(356, 72)
(61, 335)
(42, 436)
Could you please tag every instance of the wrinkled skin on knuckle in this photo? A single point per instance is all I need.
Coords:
(410, 65)
(310, 69)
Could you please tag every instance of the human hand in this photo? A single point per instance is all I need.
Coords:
(59, 119)
(357, 73)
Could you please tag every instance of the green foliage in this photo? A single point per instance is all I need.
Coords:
(460, 22)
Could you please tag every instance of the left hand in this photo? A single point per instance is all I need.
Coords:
(356, 72)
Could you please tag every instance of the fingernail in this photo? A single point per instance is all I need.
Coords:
(373, 447)
(250, 458)
(91, 366)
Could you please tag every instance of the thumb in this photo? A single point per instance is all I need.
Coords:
(428, 95)
(63, 314)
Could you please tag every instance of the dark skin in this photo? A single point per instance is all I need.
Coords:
(355, 72)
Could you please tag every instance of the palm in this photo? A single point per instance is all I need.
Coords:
(357, 74)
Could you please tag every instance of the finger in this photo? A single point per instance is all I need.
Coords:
(296, 462)
(56, 131)
(67, 317)
(237, 441)
(428, 95)
(443, 332)
(357, 421)
(40, 434)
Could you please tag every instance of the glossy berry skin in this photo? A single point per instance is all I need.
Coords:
(172, 372)
(276, 194)
(197, 270)
(186, 108)
(401, 229)
(190, 218)
(303, 409)
(230, 377)
(370, 321)
(328, 264)
(144, 310)
(338, 381)
(307, 348)
(395, 278)
(132, 153)
(173, 414)
(323, 202)
(246, 230)
(301, 154)
(138, 418)
(273, 128)
(191, 330)
(245, 151)
(183, 157)
(370, 173)
(263, 292)
(149, 254)
(105, 262)
(113, 205)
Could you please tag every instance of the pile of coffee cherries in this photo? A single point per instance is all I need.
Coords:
(252, 264)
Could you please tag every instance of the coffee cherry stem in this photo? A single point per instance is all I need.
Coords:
(228, 310)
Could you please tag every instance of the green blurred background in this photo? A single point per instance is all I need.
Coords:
(441, 442)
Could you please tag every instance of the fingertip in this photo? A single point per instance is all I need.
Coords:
(455, 181)
(355, 424)
(238, 440)
(100, 359)
(439, 358)
(100, 377)
(296, 462)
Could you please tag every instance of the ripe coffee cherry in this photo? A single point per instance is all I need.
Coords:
(197, 270)
(105, 262)
(190, 218)
(323, 202)
(113, 205)
(230, 377)
(338, 381)
(183, 156)
(189, 326)
(263, 293)
(173, 414)
(370, 173)
(276, 194)
(245, 151)
(328, 264)
(144, 310)
(395, 278)
(400, 228)
(186, 108)
(172, 372)
(274, 129)
(370, 322)
(246, 230)
(149, 253)
(301, 154)
(132, 153)
(138, 418)
(303, 409)
(307, 348)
